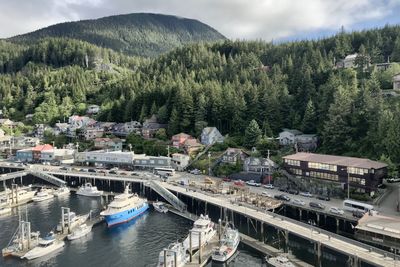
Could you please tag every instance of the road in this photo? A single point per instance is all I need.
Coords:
(388, 204)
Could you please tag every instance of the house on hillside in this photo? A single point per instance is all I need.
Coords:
(304, 142)
(106, 126)
(396, 82)
(233, 155)
(7, 123)
(180, 161)
(179, 140)
(92, 133)
(124, 129)
(349, 61)
(288, 136)
(93, 109)
(192, 146)
(211, 135)
(60, 128)
(259, 165)
(114, 144)
(151, 126)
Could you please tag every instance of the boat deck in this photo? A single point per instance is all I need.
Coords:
(94, 221)
(206, 252)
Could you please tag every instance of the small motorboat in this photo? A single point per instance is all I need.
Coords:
(5, 210)
(46, 246)
(173, 251)
(160, 207)
(89, 190)
(279, 261)
(43, 194)
(79, 232)
(62, 191)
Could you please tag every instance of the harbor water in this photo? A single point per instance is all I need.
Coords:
(137, 243)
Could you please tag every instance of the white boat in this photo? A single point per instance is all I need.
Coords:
(228, 245)
(5, 210)
(18, 195)
(79, 232)
(169, 261)
(203, 228)
(62, 191)
(74, 220)
(43, 194)
(89, 190)
(279, 261)
(160, 207)
(46, 246)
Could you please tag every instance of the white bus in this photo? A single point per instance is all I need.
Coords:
(352, 205)
(164, 171)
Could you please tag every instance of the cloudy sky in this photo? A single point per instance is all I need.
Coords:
(236, 19)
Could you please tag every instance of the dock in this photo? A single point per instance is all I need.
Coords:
(203, 255)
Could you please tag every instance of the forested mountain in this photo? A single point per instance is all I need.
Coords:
(140, 34)
(228, 84)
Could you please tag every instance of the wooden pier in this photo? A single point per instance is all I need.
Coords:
(203, 255)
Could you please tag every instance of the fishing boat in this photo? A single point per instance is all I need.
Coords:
(203, 228)
(73, 219)
(46, 246)
(279, 261)
(62, 191)
(43, 194)
(89, 190)
(17, 196)
(79, 232)
(160, 207)
(228, 245)
(124, 208)
(167, 256)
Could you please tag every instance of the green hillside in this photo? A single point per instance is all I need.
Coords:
(139, 34)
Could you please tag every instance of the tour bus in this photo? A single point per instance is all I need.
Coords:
(164, 171)
(352, 205)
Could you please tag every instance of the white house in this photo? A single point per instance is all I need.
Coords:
(211, 135)
(304, 142)
(93, 109)
(288, 136)
(180, 161)
(349, 61)
(396, 82)
(80, 121)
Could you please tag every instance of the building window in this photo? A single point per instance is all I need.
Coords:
(357, 180)
(295, 171)
(292, 162)
(151, 161)
(354, 170)
(323, 175)
(322, 166)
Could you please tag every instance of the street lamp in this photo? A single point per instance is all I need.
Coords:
(348, 181)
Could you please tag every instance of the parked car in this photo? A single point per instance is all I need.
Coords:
(293, 191)
(64, 168)
(282, 197)
(83, 170)
(123, 173)
(283, 189)
(336, 211)
(358, 213)
(322, 197)
(226, 179)
(298, 202)
(268, 186)
(393, 180)
(239, 183)
(316, 205)
(306, 194)
(91, 170)
(195, 172)
(258, 184)
(112, 172)
(266, 194)
(251, 183)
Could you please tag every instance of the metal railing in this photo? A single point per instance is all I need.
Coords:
(12, 175)
(48, 178)
(167, 195)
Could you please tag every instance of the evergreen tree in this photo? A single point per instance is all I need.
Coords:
(174, 123)
(252, 134)
(309, 118)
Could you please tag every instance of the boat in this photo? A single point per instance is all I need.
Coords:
(124, 207)
(5, 209)
(17, 196)
(203, 228)
(43, 194)
(74, 220)
(173, 249)
(46, 246)
(160, 207)
(89, 190)
(62, 191)
(228, 245)
(79, 232)
(279, 261)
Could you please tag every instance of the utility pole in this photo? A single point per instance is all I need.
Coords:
(348, 184)
(269, 168)
(209, 163)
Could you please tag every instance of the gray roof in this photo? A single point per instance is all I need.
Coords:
(292, 131)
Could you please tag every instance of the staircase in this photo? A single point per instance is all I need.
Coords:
(48, 178)
(12, 175)
(293, 179)
(198, 156)
(167, 195)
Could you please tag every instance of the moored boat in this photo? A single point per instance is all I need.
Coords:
(124, 207)
(79, 232)
(160, 207)
(43, 194)
(167, 256)
(19, 195)
(5, 209)
(203, 228)
(228, 245)
(279, 261)
(46, 246)
(62, 191)
(89, 190)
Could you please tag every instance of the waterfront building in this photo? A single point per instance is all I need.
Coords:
(104, 157)
(180, 161)
(363, 175)
(151, 162)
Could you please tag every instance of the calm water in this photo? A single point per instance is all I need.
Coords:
(136, 243)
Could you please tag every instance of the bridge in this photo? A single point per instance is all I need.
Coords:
(45, 176)
(167, 195)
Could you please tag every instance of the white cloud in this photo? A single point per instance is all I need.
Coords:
(251, 19)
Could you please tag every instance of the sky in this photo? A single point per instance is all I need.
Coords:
(277, 20)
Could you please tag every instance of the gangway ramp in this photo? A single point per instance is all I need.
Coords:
(167, 195)
(12, 175)
(48, 178)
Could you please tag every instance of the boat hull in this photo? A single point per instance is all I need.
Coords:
(80, 234)
(40, 252)
(125, 216)
(90, 194)
(39, 199)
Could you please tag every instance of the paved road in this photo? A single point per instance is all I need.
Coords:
(388, 205)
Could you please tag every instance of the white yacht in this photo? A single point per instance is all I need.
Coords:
(74, 220)
(160, 207)
(202, 227)
(279, 261)
(19, 195)
(124, 207)
(228, 245)
(79, 232)
(46, 246)
(43, 194)
(62, 191)
(169, 261)
(89, 190)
